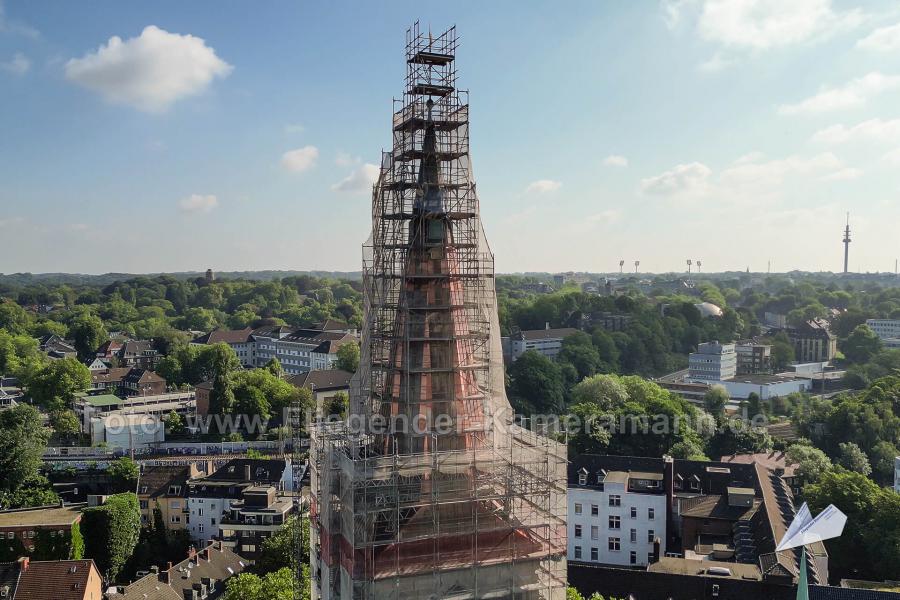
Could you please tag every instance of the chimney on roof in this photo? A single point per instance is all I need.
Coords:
(23, 563)
(547, 325)
(192, 553)
(247, 473)
(669, 486)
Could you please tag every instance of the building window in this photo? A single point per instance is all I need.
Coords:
(595, 509)
(634, 512)
(582, 478)
(595, 554)
(578, 508)
(577, 551)
(615, 500)
(650, 536)
(633, 558)
(614, 544)
(199, 512)
(615, 522)
(634, 536)
(595, 532)
(578, 531)
(200, 527)
(651, 513)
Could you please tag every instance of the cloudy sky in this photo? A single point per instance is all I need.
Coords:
(172, 136)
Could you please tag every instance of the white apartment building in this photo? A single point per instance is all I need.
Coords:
(897, 474)
(616, 517)
(297, 350)
(888, 330)
(546, 341)
(712, 362)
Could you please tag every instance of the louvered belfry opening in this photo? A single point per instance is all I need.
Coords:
(440, 495)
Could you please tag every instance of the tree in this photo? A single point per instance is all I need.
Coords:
(174, 423)
(715, 401)
(782, 351)
(536, 384)
(606, 392)
(873, 518)
(853, 458)
(337, 405)
(278, 549)
(882, 460)
(64, 422)
(861, 345)
(274, 367)
(88, 333)
(55, 385)
(277, 585)
(111, 532)
(735, 436)
(578, 350)
(124, 473)
(812, 463)
(23, 441)
(18, 354)
(348, 357)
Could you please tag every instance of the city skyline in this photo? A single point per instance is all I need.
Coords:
(169, 139)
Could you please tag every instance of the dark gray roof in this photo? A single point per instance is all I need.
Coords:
(324, 380)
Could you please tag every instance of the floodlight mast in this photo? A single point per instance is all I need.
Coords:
(637, 263)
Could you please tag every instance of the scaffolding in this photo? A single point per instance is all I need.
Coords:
(429, 490)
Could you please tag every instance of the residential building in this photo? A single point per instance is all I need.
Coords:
(202, 575)
(55, 346)
(141, 382)
(138, 353)
(325, 384)
(22, 529)
(545, 341)
(897, 474)
(616, 517)
(776, 461)
(96, 365)
(888, 330)
(164, 488)
(775, 320)
(240, 340)
(57, 580)
(109, 351)
(202, 391)
(705, 513)
(712, 362)
(109, 380)
(335, 325)
(257, 515)
(297, 350)
(753, 358)
(813, 341)
(210, 498)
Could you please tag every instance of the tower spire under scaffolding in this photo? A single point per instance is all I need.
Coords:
(430, 489)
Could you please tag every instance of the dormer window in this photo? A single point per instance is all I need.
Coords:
(582, 477)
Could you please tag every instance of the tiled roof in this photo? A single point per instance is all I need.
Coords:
(326, 379)
(771, 460)
(228, 336)
(55, 580)
(112, 376)
(157, 480)
(262, 470)
(214, 565)
(822, 592)
(715, 507)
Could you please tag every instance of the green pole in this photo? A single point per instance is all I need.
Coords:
(802, 588)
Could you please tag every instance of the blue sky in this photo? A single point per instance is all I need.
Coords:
(242, 135)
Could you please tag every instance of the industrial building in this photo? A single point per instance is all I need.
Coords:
(428, 489)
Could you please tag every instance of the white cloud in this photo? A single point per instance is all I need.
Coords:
(18, 65)
(892, 157)
(615, 160)
(750, 178)
(344, 159)
(15, 27)
(542, 186)
(868, 131)
(854, 93)
(764, 24)
(148, 72)
(687, 179)
(196, 203)
(301, 159)
(883, 39)
(715, 64)
(359, 180)
(844, 174)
